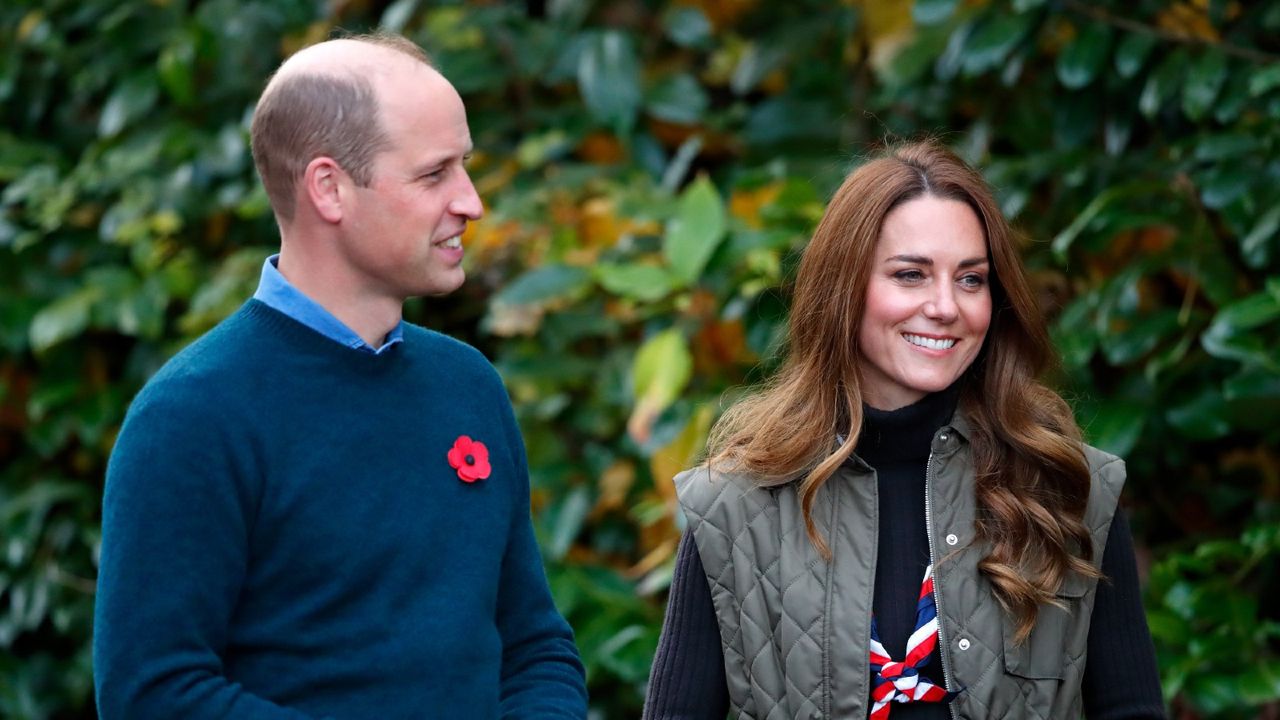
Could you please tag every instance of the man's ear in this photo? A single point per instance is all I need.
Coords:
(325, 183)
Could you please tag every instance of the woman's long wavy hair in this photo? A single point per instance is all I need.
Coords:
(1032, 478)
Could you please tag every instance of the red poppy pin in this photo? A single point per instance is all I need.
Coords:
(470, 458)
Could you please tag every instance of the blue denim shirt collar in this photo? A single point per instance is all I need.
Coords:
(279, 294)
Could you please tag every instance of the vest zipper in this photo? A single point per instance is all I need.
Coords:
(937, 600)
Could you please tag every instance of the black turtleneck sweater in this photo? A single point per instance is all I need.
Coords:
(1120, 682)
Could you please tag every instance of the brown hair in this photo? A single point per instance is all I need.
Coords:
(1032, 478)
(305, 115)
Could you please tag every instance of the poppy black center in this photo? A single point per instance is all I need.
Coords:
(471, 459)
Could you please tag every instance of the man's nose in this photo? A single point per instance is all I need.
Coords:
(467, 201)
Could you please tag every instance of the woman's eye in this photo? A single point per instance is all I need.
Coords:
(973, 282)
(908, 275)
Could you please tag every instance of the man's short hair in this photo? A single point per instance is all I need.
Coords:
(306, 115)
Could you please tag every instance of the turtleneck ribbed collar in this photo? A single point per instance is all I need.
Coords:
(905, 433)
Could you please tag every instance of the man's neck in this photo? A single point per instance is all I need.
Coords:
(369, 314)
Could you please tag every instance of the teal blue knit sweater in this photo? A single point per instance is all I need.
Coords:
(284, 536)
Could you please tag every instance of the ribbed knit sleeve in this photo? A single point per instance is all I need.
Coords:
(1120, 680)
(542, 676)
(687, 681)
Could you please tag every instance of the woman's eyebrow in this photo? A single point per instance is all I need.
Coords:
(922, 260)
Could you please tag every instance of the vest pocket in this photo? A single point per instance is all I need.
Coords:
(1042, 656)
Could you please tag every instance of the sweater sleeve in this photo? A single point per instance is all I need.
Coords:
(1120, 678)
(687, 680)
(542, 675)
(175, 522)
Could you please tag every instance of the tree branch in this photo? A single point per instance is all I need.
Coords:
(1103, 16)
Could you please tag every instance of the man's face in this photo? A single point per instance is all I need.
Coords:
(402, 233)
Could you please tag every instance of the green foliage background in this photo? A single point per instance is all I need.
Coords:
(651, 170)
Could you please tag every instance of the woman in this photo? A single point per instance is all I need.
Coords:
(904, 520)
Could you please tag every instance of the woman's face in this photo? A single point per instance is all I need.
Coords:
(928, 302)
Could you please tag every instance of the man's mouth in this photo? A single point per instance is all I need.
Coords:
(930, 343)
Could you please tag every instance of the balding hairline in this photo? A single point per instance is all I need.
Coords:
(325, 101)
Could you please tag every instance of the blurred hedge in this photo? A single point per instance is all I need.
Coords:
(650, 171)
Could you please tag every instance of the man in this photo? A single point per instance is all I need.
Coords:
(317, 510)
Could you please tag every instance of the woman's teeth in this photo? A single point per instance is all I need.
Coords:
(929, 343)
(453, 243)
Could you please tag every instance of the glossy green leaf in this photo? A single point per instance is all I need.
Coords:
(131, 100)
(1203, 83)
(678, 99)
(1260, 683)
(1162, 84)
(63, 319)
(992, 41)
(1262, 244)
(545, 283)
(1224, 184)
(609, 79)
(639, 282)
(688, 27)
(1204, 417)
(1132, 52)
(397, 15)
(1226, 145)
(1074, 335)
(1233, 332)
(1116, 426)
(567, 522)
(756, 62)
(1063, 241)
(1080, 62)
(696, 230)
(931, 12)
(1139, 337)
(176, 70)
(1264, 80)
(1252, 382)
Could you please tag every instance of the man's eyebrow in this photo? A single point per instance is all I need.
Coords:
(922, 260)
(436, 162)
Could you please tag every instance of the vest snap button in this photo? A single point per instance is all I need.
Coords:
(963, 644)
(952, 539)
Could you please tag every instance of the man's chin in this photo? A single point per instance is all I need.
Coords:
(445, 287)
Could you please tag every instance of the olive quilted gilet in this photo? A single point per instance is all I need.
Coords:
(795, 628)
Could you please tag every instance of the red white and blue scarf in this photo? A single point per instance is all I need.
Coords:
(893, 681)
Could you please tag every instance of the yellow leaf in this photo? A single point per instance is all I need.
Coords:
(615, 482)
(1189, 19)
(166, 222)
(746, 204)
(660, 372)
(29, 23)
(598, 225)
(654, 558)
(602, 148)
(680, 453)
